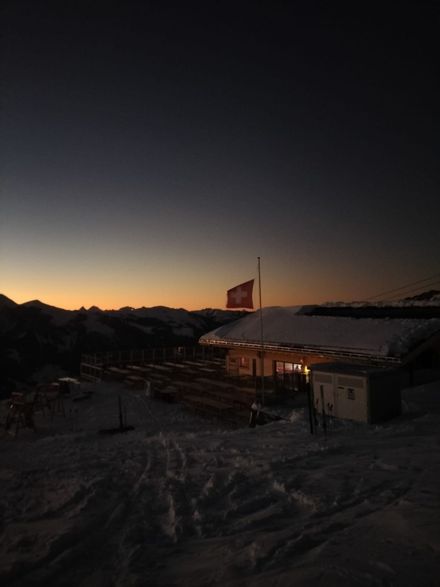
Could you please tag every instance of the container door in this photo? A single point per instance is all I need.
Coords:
(323, 392)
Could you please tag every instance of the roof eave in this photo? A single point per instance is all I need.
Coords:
(341, 353)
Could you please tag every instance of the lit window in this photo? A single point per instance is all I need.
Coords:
(244, 362)
(284, 367)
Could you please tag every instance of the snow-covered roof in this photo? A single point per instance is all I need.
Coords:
(287, 328)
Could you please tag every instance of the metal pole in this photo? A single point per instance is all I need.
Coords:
(261, 333)
(324, 418)
(311, 408)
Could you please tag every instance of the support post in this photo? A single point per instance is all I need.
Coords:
(311, 409)
(261, 333)
(324, 417)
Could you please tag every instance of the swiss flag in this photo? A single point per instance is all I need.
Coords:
(240, 296)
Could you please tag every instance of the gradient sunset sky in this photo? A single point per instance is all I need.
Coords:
(151, 151)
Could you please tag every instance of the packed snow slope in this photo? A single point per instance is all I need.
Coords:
(184, 501)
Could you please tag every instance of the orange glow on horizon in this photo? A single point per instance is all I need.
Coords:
(74, 300)
(189, 286)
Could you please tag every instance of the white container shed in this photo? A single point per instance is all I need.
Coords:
(356, 392)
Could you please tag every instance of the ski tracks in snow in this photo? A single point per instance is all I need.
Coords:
(224, 506)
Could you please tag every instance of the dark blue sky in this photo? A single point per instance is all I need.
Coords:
(150, 151)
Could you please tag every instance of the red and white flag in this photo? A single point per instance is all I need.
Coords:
(240, 296)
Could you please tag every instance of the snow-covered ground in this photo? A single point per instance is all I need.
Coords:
(184, 501)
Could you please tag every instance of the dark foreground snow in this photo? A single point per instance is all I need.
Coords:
(180, 501)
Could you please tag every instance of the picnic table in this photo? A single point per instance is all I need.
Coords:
(206, 405)
(137, 368)
(173, 365)
(135, 381)
(117, 372)
(194, 363)
(229, 396)
(215, 382)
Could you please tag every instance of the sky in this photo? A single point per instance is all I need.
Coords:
(151, 151)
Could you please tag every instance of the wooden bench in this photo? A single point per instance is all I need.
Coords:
(116, 373)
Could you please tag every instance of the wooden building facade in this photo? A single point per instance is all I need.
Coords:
(295, 339)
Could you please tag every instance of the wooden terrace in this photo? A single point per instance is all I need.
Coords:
(195, 377)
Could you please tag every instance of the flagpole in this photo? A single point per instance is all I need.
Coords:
(261, 333)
